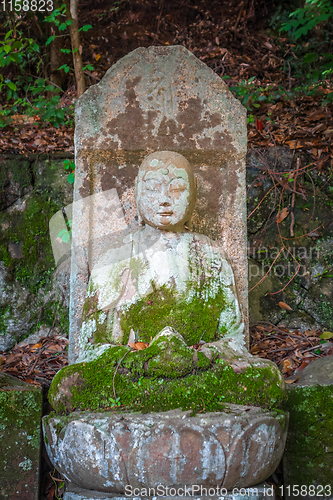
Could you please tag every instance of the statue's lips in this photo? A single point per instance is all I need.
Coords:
(165, 214)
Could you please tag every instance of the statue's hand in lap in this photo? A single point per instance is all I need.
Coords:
(162, 275)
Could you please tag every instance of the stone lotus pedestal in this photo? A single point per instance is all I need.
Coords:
(123, 454)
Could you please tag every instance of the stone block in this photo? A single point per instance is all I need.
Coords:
(308, 458)
(20, 437)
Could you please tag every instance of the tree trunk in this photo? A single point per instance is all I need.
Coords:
(71, 12)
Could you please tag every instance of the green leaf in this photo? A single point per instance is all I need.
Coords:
(86, 27)
(326, 335)
(65, 51)
(17, 45)
(310, 57)
(11, 85)
(66, 238)
(7, 48)
(8, 34)
(62, 26)
(300, 31)
(50, 39)
(51, 87)
(71, 178)
(65, 67)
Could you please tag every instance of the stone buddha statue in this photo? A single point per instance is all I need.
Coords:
(171, 292)
(162, 275)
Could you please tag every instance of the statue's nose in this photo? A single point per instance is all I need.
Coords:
(164, 198)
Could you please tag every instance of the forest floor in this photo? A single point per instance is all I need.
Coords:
(237, 40)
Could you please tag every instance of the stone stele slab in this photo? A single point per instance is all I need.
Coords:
(159, 98)
(20, 437)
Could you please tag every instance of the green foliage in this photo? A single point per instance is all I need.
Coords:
(70, 165)
(315, 64)
(251, 95)
(28, 94)
(62, 26)
(303, 20)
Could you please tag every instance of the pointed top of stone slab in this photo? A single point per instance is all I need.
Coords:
(160, 98)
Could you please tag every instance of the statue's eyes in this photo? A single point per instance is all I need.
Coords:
(152, 186)
(177, 187)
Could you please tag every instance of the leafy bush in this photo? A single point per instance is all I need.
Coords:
(24, 52)
(303, 20)
(27, 94)
(315, 64)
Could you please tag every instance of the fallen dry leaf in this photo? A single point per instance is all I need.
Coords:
(291, 380)
(283, 305)
(287, 366)
(282, 215)
(36, 346)
(138, 346)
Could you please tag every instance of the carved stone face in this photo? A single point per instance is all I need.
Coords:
(165, 190)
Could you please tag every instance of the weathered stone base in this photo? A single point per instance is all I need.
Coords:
(260, 492)
(239, 447)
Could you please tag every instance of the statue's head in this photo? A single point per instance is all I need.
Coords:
(165, 190)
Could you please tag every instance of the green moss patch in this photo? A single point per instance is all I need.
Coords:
(308, 457)
(20, 417)
(31, 227)
(161, 378)
(193, 319)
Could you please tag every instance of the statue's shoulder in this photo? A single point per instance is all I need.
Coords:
(205, 245)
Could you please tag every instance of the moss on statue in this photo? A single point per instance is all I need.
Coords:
(164, 376)
(194, 320)
(308, 457)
